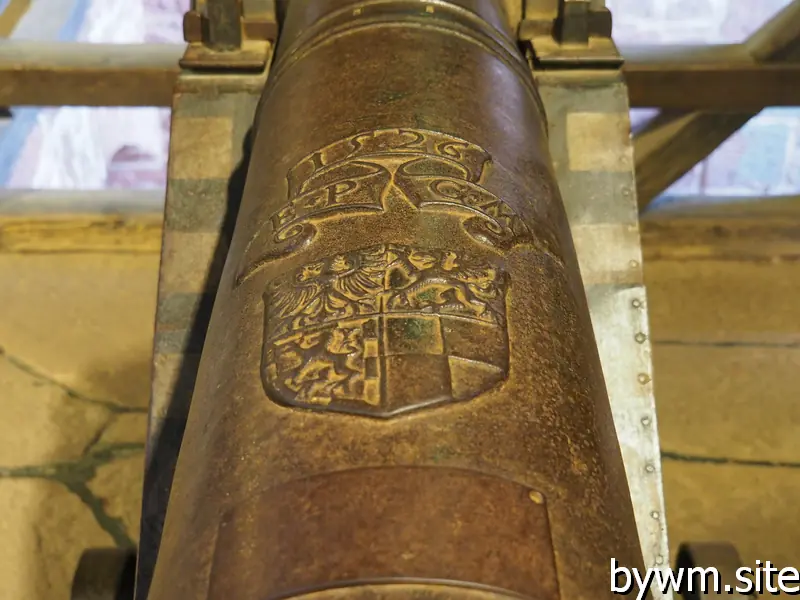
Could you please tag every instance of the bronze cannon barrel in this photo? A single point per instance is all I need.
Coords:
(400, 394)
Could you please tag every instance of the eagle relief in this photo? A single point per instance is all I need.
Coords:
(385, 330)
(432, 171)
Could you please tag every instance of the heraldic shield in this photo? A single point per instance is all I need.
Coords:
(385, 330)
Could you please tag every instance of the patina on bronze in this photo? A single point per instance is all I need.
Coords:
(400, 394)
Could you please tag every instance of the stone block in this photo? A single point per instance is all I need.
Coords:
(754, 507)
(45, 529)
(40, 425)
(723, 301)
(124, 429)
(737, 402)
(119, 486)
(85, 321)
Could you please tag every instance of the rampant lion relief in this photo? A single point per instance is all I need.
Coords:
(385, 330)
(431, 170)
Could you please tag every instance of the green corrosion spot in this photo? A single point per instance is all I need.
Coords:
(428, 296)
(416, 329)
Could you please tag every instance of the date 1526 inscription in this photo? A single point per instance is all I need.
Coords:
(431, 170)
(385, 330)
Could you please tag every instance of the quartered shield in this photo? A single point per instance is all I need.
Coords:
(385, 330)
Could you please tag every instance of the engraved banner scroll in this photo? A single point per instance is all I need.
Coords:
(429, 169)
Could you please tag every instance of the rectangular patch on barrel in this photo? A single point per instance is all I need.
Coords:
(387, 524)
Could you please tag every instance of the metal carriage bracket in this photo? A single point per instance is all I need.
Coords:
(229, 35)
(568, 34)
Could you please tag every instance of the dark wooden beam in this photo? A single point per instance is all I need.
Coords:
(12, 13)
(725, 78)
(72, 74)
(722, 78)
(668, 147)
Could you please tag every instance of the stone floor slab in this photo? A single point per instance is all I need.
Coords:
(39, 423)
(738, 402)
(724, 389)
(44, 529)
(118, 484)
(126, 429)
(84, 320)
(753, 507)
(710, 300)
